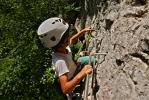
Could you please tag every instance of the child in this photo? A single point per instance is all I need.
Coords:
(54, 33)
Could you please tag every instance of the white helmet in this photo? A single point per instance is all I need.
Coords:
(51, 31)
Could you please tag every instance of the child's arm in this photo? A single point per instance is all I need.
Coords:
(68, 86)
(74, 38)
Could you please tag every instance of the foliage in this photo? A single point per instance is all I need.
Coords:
(76, 49)
(25, 65)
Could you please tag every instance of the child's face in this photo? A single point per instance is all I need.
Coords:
(66, 41)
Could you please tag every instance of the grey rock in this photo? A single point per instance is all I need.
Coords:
(122, 31)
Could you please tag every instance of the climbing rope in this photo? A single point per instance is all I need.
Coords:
(94, 54)
(87, 77)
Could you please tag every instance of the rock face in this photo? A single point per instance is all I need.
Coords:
(122, 31)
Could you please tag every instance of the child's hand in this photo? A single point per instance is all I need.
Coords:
(88, 29)
(87, 69)
(74, 38)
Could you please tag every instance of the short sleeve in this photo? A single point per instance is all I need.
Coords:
(61, 67)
